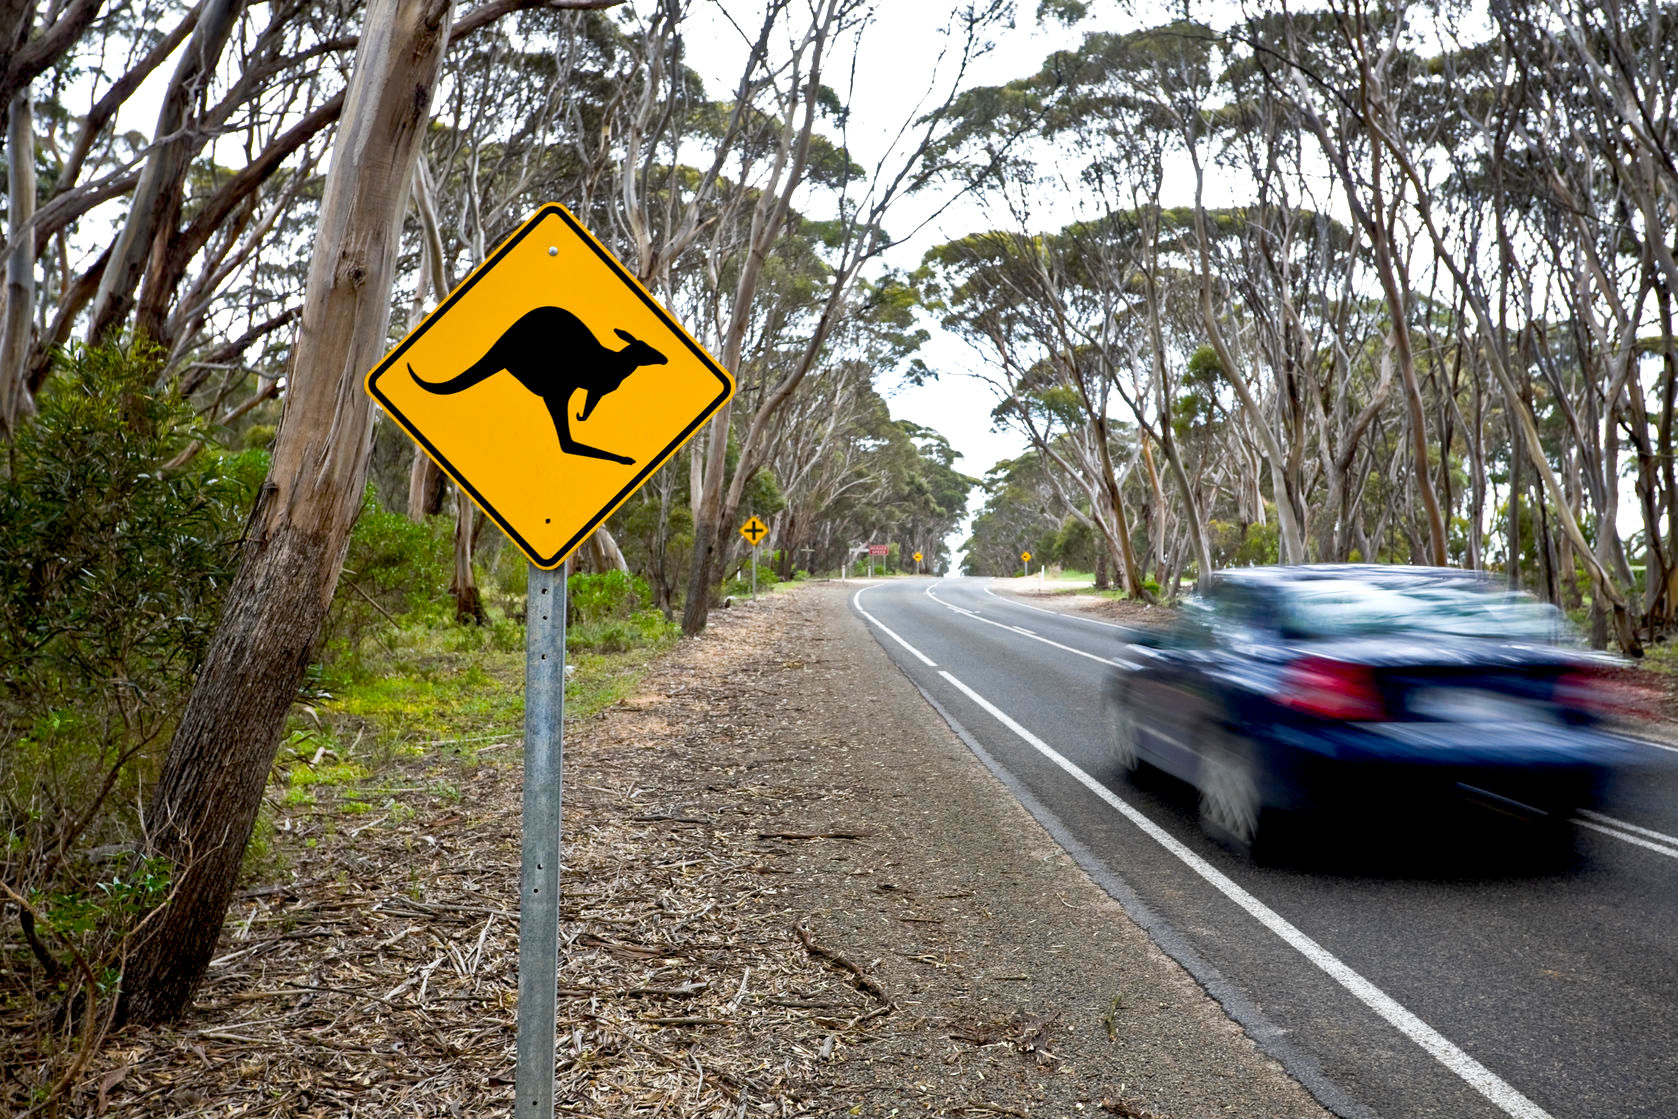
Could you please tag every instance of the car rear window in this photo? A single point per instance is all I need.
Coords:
(1351, 608)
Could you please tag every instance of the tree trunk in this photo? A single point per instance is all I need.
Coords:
(468, 603)
(425, 477)
(425, 486)
(600, 552)
(217, 766)
(157, 196)
(16, 401)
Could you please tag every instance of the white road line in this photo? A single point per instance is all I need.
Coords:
(1630, 833)
(1442, 1049)
(1056, 613)
(1652, 742)
(887, 630)
(1023, 632)
(1625, 825)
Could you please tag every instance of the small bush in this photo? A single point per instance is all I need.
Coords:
(612, 594)
(396, 573)
(116, 552)
(611, 613)
(741, 585)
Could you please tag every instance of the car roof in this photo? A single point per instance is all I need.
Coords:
(1281, 576)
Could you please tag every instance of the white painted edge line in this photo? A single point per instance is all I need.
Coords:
(1630, 833)
(1641, 741)
(1056, 613)
(1022, 632)
(1442, 1049)
(887, 630)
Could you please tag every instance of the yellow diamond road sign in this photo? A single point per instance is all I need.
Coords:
(917, 557)
(1026, 556)
(754, 530)
(549, 385)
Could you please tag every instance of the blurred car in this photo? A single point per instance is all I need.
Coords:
(1361, 689)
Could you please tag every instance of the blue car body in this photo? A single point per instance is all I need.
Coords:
(1364, 687)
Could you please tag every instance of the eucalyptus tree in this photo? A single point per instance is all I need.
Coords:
(206, 799)
(1019, 515)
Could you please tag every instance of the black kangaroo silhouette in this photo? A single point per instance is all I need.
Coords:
(553, 353)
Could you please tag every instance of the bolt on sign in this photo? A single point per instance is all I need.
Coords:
(754, 531)
(549, 385)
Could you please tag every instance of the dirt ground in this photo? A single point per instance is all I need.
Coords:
(788, 889)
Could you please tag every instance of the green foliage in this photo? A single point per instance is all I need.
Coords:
(610, 613)
(396, 573)
(1065, 12)
(741, 585)
(112, 570)
(1251, 545)
(603, 597)
(119, 544)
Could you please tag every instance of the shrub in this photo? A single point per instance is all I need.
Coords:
(611, 594)
(116, 552)
(611, 613)
(395, 573)
(741, 585)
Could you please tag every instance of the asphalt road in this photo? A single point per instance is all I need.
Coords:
(1446, 971)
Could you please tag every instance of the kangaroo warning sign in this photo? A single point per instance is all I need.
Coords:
(549, 385)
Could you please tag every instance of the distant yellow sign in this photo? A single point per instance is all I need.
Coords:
(917, 557)
(754, 530)
(1026, 556)
(549, 385)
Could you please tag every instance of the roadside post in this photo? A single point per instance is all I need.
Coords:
(881, 550)
(754, 531)
(527, 325)
(917, 563)
(1026, 557)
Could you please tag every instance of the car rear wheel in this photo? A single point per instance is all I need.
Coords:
(1122, 734)
(1231, 809)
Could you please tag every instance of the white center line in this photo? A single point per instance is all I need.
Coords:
(1022, 632)
(1629, 833)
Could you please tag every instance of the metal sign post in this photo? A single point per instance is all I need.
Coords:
(544, 755)
(754, 570)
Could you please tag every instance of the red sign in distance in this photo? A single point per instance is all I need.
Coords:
(879, 549)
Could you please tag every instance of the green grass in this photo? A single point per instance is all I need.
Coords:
(411, 709)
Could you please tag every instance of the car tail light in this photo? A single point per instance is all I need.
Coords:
(1602, 695)
(1332, 689)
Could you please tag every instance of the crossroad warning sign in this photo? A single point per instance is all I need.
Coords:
(754, 530)
(549, 385)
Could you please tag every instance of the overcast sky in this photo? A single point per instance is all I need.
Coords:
(895, 66)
